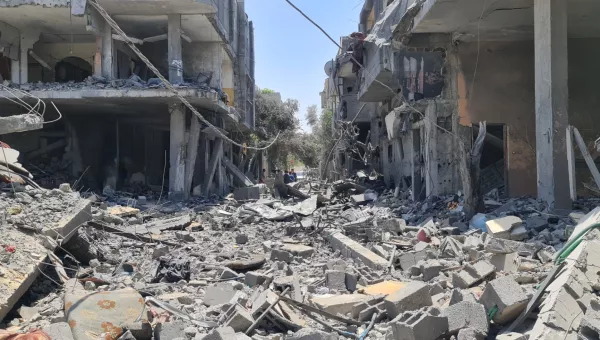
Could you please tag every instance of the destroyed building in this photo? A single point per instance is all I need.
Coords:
(119, 123)
(434, 69)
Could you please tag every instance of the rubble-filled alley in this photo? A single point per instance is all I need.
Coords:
(348, 261)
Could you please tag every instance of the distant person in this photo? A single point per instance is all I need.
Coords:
(293, 176)
(286, 177)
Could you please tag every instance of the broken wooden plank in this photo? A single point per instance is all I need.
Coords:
(571, 163)
(237, 173)
(586, 155)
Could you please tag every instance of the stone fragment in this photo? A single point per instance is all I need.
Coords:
(412, 297)
(28, 313)
(65, 187)
(424, 324)
(228, 274)
(505, 294)
(184, 236)
(501, 227)
(139, 330)
(466, 314)
(519, 233)
(335, 279)
(280, 255)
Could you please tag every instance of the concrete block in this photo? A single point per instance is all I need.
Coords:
(240, 320)
(335, 279)
(169, 330)
(262, 302)
(501, 227)
(184, 236)
(241, 239)
(367, 313)
(352, 249)
(589, 328)
(424, 324)
(466, 314)
(459, 295)
(298, 250)
(221, 333)
(253, 279)
(430, 269)
(312, 334)
(245, 194)
(470, 334)
(377, 249)
(411, 258)
(60, 330)
(219, 294)
(507, 295)
(508, 263)
(412, 297)
(472, 274)
(339, 303)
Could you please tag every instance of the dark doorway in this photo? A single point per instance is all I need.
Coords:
(72, 69)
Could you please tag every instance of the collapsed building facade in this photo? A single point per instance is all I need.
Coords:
(119, 123)
(432, 70)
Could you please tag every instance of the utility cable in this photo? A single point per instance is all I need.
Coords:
(167, 84)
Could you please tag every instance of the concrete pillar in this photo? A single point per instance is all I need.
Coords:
(177, 150)
(192, 153)
(415, 165)
(109, 52)
(431, 147)
(98, 57)
(174, 50)
(15, 71)
(214, 165)
(551, 101)
(28, 38)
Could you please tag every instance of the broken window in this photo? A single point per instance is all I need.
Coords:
(72, 69)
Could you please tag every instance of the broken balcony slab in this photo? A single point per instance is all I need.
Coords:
(30, 250)
(20, 123)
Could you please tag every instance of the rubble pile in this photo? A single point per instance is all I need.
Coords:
(349, 261)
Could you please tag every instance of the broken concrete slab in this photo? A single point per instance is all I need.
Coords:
(312, 334)
(412, 297)
(335, 279)
(298, 250)
(508, 263)
(472, 274)
(470, 334)
(466, 314)
(411, 258)
(460, 295)
(501, 227)
(383, 288)
(221, 333)
(507, 296)
(219, 294)
(352, 249)
(16, 281)
(60, 330)
(341, 304)
(240, 320)
(20, 123)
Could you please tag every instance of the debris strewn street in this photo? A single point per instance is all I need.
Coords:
(327, 267)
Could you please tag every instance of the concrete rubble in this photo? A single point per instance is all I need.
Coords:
(207, 269)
